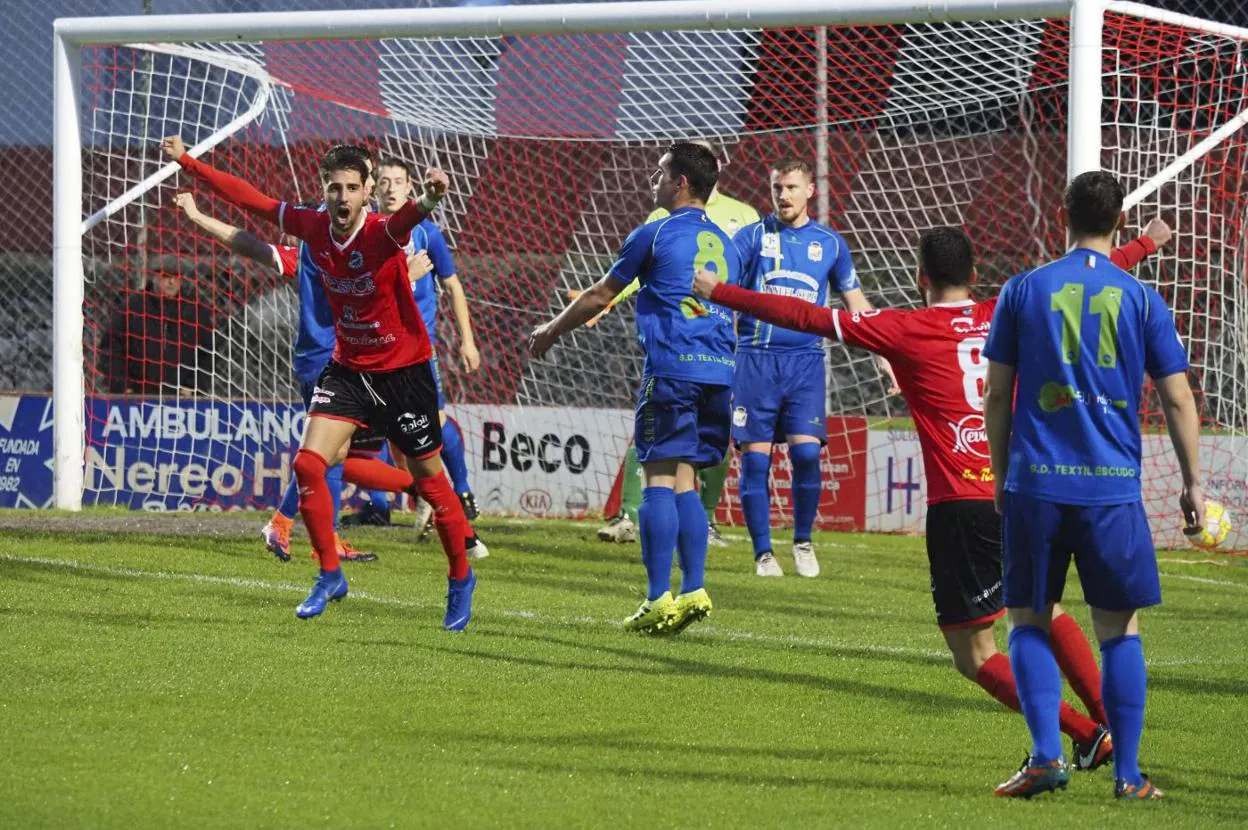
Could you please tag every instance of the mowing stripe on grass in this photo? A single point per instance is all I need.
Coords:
(704, 631)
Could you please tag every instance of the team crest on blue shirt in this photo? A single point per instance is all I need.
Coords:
(771, 244)
(814, 252)
(357, 260)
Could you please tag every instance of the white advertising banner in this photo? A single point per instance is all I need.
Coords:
(897, 487)
(539, 461)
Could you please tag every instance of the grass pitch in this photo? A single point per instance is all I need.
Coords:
(159, 680)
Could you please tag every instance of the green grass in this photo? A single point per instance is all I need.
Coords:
(162, 681)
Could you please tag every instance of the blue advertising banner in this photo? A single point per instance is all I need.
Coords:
(155, 454)
(25, 451)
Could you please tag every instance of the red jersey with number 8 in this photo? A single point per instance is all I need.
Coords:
(937, 354)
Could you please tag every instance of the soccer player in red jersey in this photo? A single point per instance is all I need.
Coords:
(380, 376)
(936, 354)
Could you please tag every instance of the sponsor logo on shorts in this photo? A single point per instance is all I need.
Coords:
(740, 416)
(408, 423)
(970, 436)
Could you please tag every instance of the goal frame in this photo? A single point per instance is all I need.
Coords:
(70, 35)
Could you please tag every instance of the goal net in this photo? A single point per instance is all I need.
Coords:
(549, 141)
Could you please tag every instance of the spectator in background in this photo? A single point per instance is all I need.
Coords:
(159, 340)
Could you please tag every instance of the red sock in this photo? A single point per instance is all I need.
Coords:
(997, 679)
(1074, 655)
(375, 474)
(317, 506)
(449, 519)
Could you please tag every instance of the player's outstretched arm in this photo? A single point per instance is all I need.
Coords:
(236, 239)
(787, 312)
(999, 421)
(1183, 424)
(231, 188)
(587, 305)
(1157, 234)
(414, 211)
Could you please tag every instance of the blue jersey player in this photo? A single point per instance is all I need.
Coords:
(682, 418)
(432, 273)
(1077, 336)
(780, 389)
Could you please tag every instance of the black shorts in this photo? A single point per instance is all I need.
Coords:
(964, 554)
(401, 405)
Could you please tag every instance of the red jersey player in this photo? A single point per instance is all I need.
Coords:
(937, 355)
(380, 376)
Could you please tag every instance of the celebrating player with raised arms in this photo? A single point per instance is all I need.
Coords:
(780, 389)
(1067, 353)
(683, 407)
(936, 353)
(380, 376)
(314, 345)
(434, 275)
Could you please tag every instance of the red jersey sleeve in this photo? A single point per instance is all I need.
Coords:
(879, 330)
(285, 260)
(232, 188)
(785, 312)
(1133, 253)
(300, 222)
(400, 223)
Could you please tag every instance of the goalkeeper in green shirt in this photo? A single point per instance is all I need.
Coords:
(730, 215)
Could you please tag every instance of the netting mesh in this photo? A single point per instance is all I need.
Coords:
(549, 142)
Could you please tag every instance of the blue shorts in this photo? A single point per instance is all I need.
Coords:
(1111, 544)
(777, 394)
(682, 420)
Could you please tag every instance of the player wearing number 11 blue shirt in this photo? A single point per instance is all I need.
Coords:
(682, 420)
(1068, 348)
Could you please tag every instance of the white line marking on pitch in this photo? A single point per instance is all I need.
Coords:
(1205, 580)
(290, 587)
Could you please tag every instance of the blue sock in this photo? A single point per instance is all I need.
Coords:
(659, 524)
(289, 506)
(691, 541)
(333, 479)
(806, 485)
(1039, 683)
(1123, 688)
(755, 500)
(453, 456)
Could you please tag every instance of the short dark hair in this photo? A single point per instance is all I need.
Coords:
(395, 161)
(344, 157)
(792, 164)
(946, 256)
(1094, 203)
(698, 165)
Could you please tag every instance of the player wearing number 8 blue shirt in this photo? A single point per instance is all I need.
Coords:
(780, 389)
(682, 420)
(1077, 335)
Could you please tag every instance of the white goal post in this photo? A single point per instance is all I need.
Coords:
(70, 34)
(975, 103)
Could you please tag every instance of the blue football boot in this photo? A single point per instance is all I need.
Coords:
(459, 602)
(330, 586)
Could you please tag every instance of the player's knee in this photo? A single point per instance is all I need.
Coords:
(308, 467)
